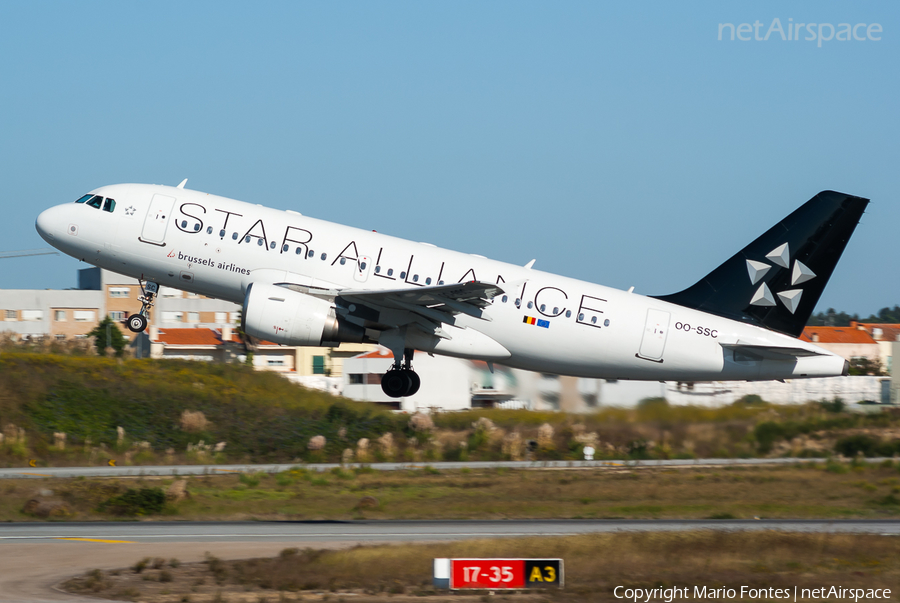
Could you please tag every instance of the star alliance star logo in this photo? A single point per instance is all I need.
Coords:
(129, 211)
(780, 256)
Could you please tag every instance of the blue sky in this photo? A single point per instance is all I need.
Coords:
(620, 143)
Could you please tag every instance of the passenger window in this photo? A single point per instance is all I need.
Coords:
(362, 265)
(222, 233)
(403, 275)
(415, 278)
(390, 272)
(247, 239)
(568, 314)
(530, 305)
(196, 227)
(343, 261)
(184, 223)
(258, 241)
(377, 269)
(299, 250)
(286, 247)
(109, 205)
(311, 253)
(272, 245)
(324, 256)
(440, 282)
(234, 236)
(606, 323)
(543, 307)
(209, 230)
(504, 299)
(428, 281)
(593, 320)
(85, 198)
(581, 316)
(96, 201)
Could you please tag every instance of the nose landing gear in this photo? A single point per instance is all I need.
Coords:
(137, 323)
(401, 380)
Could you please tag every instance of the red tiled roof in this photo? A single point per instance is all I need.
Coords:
(836, 335)
(889, 331)
(189, 337)
(379, 353)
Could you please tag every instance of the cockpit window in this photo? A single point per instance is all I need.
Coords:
(96, 201)
(85, 198)
(109, 205)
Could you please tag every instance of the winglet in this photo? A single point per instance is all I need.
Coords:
(530, 264)
(183, 182)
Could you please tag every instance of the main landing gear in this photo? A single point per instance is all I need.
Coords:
(401, 380)
(137, 323)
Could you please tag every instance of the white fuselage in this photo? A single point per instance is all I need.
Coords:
(216, 246)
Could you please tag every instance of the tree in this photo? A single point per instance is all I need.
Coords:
(833, 318)
(866, 366)
(116, 339)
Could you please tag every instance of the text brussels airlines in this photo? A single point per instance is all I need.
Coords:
(746, 592)
(796, 32)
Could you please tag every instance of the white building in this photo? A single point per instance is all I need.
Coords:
(454, 384)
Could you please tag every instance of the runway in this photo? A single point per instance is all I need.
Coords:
(38, 472)
(36, 556)
(400, 531)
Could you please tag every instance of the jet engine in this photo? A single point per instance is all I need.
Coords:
(285, 316)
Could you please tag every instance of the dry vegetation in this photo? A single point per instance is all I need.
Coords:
(594, 565)
(830, 490)
(79, 410)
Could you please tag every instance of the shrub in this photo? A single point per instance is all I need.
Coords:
(767, 434)
(834, 466)
(852, 445)
(251, 480)
(836, 405)
(145, 501)
(749, 400)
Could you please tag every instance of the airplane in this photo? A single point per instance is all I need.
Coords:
(309, 282)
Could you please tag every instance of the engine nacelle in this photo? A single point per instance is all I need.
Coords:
(281, 315)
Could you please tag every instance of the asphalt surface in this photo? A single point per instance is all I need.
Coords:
(35, 557)
(134, 471)
(403, 531)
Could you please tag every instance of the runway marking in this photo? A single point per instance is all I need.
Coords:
(38, 474)
(96, 540)
(227, 470)
(295, 536)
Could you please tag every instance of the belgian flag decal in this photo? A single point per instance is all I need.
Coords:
(531, 320)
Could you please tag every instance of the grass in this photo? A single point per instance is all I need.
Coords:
(808, 491)
(259, 415)
(594, 565)
(262, 417)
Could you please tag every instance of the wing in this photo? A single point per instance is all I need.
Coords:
(426, 307)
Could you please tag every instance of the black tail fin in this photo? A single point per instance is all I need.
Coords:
(776, 281)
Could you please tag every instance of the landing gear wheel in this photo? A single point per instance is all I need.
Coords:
(414, 384)
(396, 383)
(137, 323)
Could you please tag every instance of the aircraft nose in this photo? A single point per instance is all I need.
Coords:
(47, 224)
